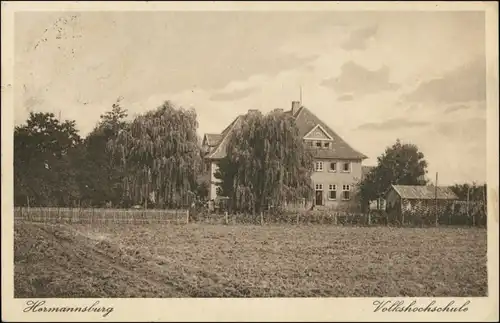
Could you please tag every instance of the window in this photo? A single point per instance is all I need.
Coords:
(346, 167)
(346, 192)
(319, 187)
(318, 144)
(333, 167)
(311, 143)
(326, 144)
(332, 192)
(207, 166)
(318, 166)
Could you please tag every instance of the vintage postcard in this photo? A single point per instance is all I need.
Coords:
(249, 161)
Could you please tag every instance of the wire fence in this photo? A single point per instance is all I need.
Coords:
(333, 217)
(326, 217)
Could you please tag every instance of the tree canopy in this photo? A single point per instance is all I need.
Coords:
(266, 163)
(400, 164)
(473, 192)
(44, 154)
(160, 153)
(100, 173)
(152, 159)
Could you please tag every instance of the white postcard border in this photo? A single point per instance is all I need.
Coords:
(256, 309)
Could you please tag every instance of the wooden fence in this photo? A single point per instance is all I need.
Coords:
(132, 216)
(99, 216)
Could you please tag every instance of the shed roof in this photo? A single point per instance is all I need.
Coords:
(421, 192)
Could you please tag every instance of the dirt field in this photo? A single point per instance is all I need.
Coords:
(247, 261)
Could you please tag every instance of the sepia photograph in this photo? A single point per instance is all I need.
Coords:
(250, 154)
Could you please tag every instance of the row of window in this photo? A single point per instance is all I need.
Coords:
(332, 191)
(345, 166)
(318, 166)
(319, 144)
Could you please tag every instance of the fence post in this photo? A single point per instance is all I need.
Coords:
(261, 218)
(187, 217)
(298, 215)
(225, 217)
(369, 218)
(335, 216)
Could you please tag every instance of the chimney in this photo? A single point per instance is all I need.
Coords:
(295, 107)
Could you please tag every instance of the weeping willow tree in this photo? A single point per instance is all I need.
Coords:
(266, 163)
(159, 151)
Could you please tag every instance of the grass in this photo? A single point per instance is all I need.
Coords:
(247, 261)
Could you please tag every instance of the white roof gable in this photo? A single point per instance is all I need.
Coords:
(318, 133)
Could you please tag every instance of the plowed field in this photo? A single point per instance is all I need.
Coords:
(247, 261)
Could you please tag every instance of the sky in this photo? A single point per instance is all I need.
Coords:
(373, 77)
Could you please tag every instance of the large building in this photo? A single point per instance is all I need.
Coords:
(337, 166)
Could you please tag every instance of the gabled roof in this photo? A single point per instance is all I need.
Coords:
(213, 139)
(322, 131)
(307, 121)
(421, 192)
(219, 150)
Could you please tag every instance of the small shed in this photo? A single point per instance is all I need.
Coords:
(419, 203)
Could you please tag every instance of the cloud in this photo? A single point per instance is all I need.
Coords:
(454, 108)
(345, 97)
(472, 130)
(162, 54)
(356, 79)
(463, 84)
(232, 96)
(358, 39)
(392, 124)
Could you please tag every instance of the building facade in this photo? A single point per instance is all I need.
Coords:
(337, 166)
